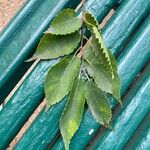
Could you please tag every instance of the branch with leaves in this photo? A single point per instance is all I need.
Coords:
(86, 70)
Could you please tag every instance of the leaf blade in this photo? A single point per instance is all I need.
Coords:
(100, 75)
(65, 22)
(98, 104)
(60, 79)
(72, 115)
(99, 45)
(52, 46)
(91, 19)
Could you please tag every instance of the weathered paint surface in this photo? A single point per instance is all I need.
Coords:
(140, 139)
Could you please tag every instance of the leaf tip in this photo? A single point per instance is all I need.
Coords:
(31, 59)
(49, 30)
(108, 126)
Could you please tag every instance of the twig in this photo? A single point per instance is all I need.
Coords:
(80, 54)
(83, 10)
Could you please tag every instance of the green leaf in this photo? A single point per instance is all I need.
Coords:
(113, 61)
(100, 75)
(60, 79)
(99, 44)
(104, 80)
(116, 87)
(91, 19)
(54, 46)
(89, 54)
(103, 50)
(98, 103)
(72, 115)
(65, 22)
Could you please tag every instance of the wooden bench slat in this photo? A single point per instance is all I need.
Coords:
(20, 38)
(144, 143)
(19, 108)
(126, 121)
(130, 13)
(96, 7)
(137, 56)
(130, 62)
(92, 122)
(30, 93)
(140, 139)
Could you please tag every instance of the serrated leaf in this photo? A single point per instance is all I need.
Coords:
(103, 51)
(91, 19)
(113, 61)
(116, 87)
(60, 79)
(100, 75)
(98, 103)
(54, 46)
(89, 54)
(66, 22)
(104, 80)
(99, 44)
(106, 75)
(72, 115)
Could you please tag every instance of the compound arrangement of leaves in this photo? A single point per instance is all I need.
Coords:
(86, 71)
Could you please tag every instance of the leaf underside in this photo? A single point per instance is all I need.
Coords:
(65, 22)
(60, 79)
(72, 115)
(98, 103)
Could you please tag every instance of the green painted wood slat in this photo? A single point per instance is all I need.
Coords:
(19, 39)
(140, 64)
(140, 139)
(130, 13)
(30, 94)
